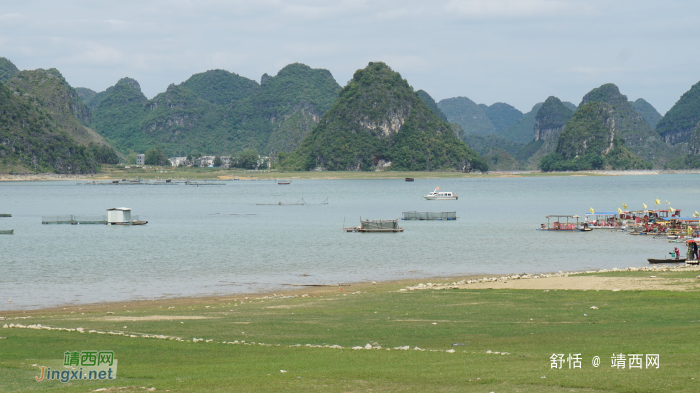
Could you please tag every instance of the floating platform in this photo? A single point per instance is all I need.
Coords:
(87, 220)
(194, 183)
(376, 226)
(429, 216)
(5, 215)
(360, 229)
(7, 231)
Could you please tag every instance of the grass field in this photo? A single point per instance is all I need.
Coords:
(529, 325)
(149, 173)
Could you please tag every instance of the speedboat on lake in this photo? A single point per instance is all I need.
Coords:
(440, 195)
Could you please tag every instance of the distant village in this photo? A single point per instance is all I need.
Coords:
(205, 161)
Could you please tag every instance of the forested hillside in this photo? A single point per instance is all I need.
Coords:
(590, 140)
(31, 141)
(647, 111)
(470, 116)
(677, 124)
(216, 112)
(378, 119)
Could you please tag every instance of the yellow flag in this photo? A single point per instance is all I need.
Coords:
(645, 205)
(658, 202)
(624, 206)
(619, 211)
(667, 202)
(671, 209)
(592, 211)
(696, 214)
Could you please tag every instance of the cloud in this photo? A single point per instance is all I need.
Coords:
(509, 9)
(116, 22)
(601, 70)
(407, 63)
(228, 61)
(10, 16)
(94, 54)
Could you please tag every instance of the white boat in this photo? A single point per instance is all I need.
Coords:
(440, 195)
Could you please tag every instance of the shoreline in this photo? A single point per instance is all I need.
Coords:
(268, 175)
(544, 281)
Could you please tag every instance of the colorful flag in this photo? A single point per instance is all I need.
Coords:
(645, 205)
(624, 206)
(696, 214)
(592, 211)
(658, 202)
(619, 211)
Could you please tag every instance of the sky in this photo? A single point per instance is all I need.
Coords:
(513, 51)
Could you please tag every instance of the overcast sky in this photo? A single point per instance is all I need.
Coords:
(514, 51)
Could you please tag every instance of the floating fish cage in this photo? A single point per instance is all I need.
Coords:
(78, 220)
(376, 226)
(429, 216)
(74, 220)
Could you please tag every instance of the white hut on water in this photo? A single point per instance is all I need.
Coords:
(119, 216)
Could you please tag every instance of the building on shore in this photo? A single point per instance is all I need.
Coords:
(177, 161)
(140, 159)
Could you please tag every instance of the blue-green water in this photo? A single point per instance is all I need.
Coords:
(216, 239)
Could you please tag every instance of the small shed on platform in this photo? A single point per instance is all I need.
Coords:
(118, 215)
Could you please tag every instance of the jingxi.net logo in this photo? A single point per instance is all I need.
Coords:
(83, 365)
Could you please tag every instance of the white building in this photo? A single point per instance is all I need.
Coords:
(205, 161)
(176, 161)
(118, 215)
(140, 159)
(226, 161)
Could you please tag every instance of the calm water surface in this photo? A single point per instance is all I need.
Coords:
(217, 239)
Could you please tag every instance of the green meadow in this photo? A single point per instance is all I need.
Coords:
(194, 173)
(528, 325)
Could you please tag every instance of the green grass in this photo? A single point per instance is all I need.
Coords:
(529, 324)
(118, 172)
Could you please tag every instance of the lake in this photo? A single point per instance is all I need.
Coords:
(236, 238)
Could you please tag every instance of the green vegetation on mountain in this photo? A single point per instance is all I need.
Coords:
(647, 111)
(7, 70)
(528, 151)
(677, 124)
(551, 119)
(377, 119)
(502, 115)
(220, 87)
(31, 141)
(591, 130)
(590, 141)
(569, 105)
(629, 126)
(500, 160)
(692, 159)
(482, 144)
(217, 112)
(86, 95)
(431, 104)
(522, 131)
(48, 89)
(467, 114)
(117, 116)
